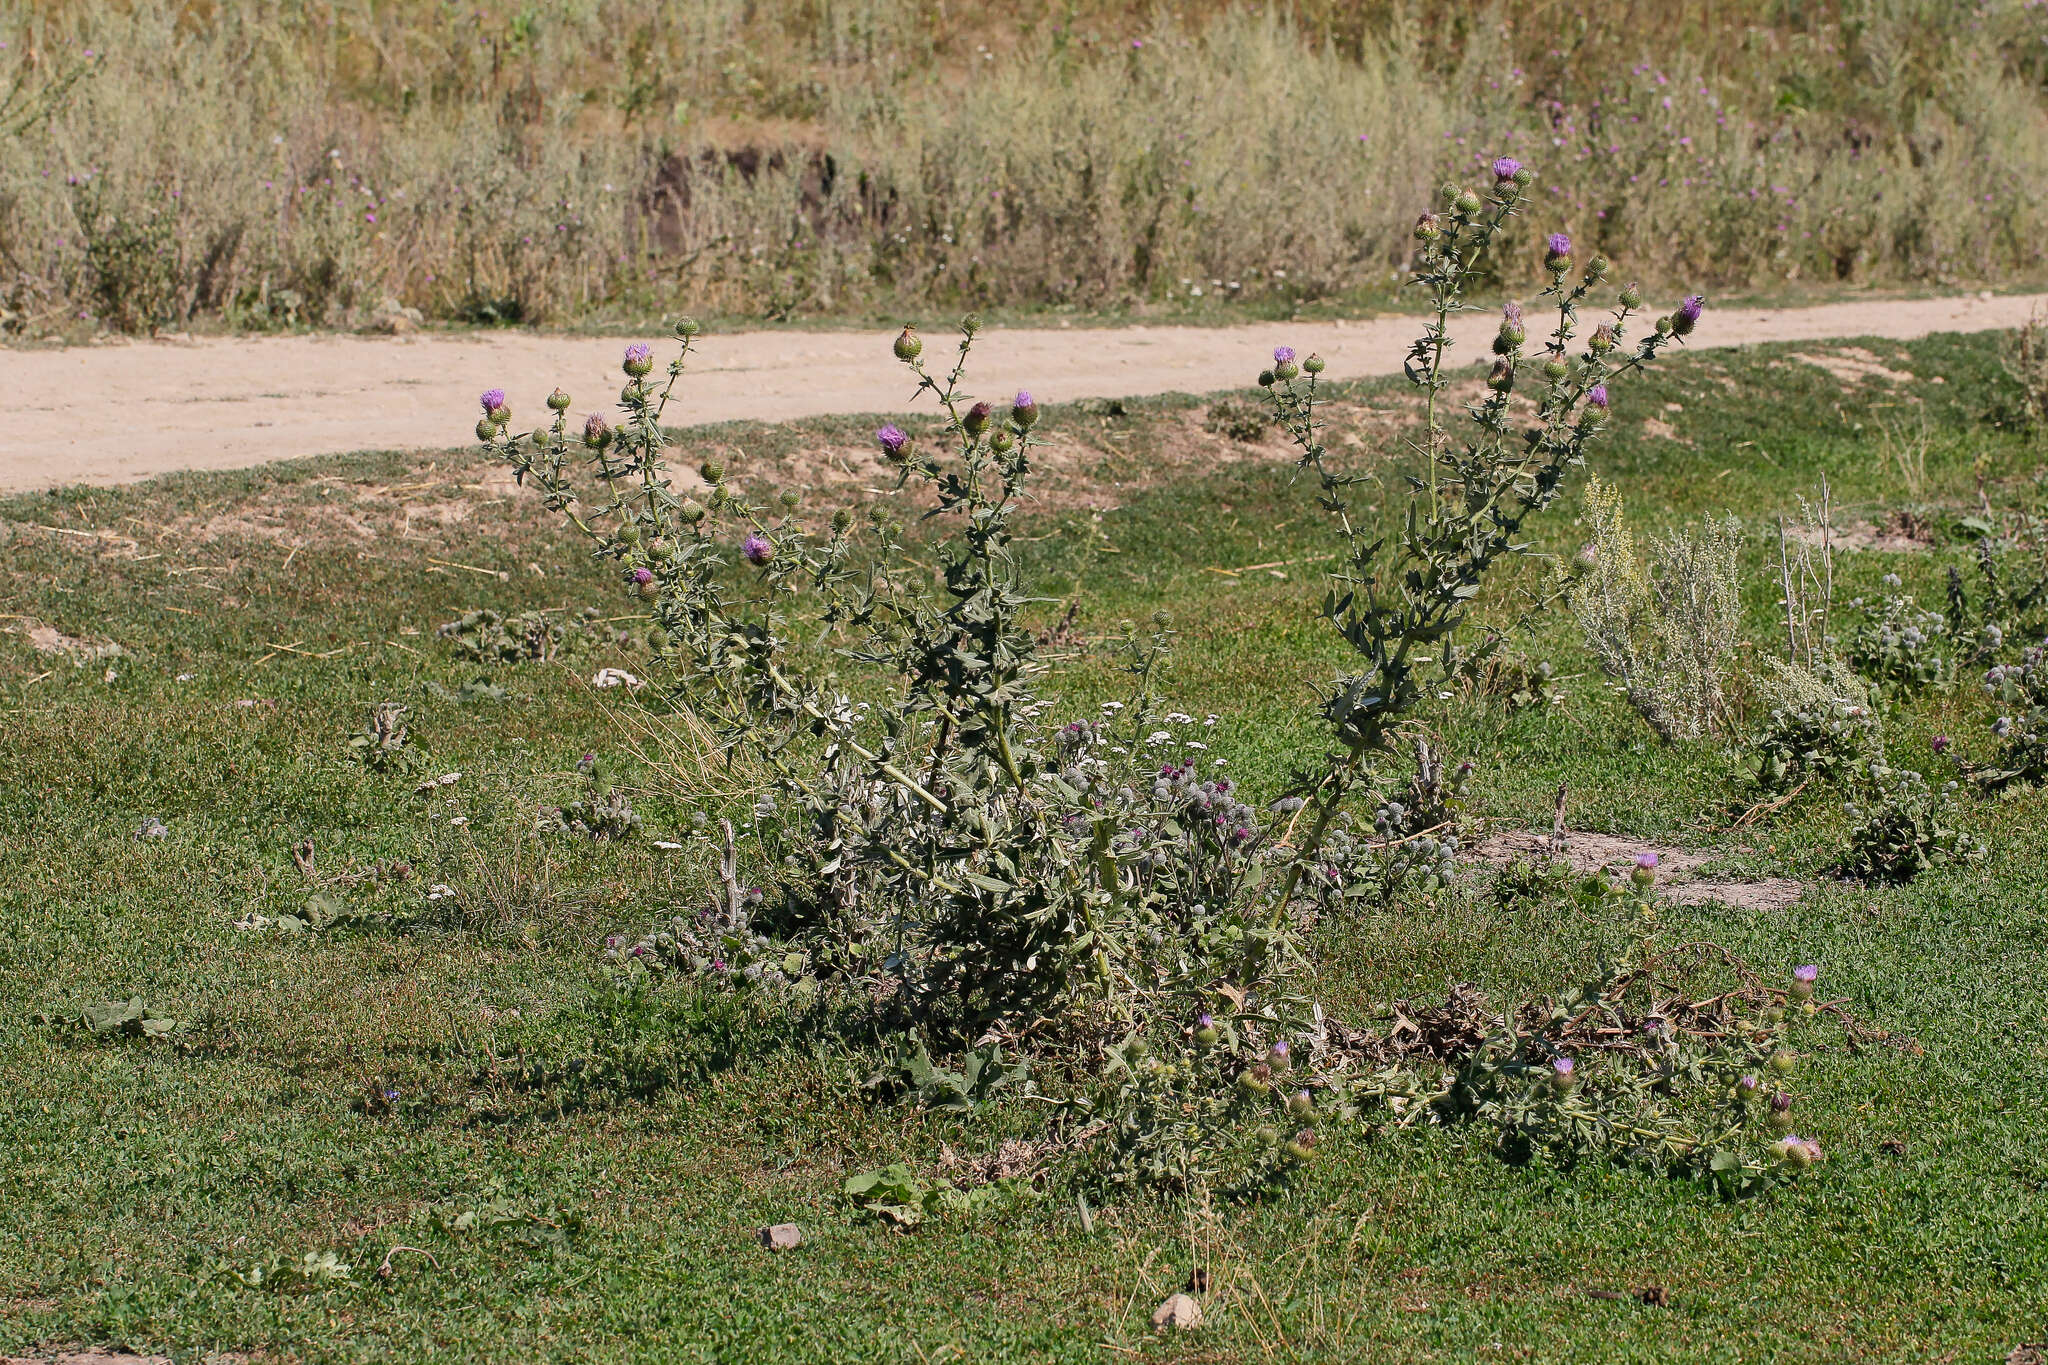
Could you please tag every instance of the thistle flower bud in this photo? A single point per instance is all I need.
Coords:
(1301, 1148)
(1251, 1082)
(1596, 269)
(1502, 377)
(908, 345)
(1001, 441)
(1745, 1089)
(558, 401)
(757, 549)
(1024, 409)
(842, 520)
(1206, 1032)
(1783, 1061)
(1279, 1057)
(1466, 202)
(713, 471)
(1557, 252)
(1267, 379)
(1803, 979)
(486, 430)
(687, 327)
(1314, 364)
(1561, 1074)
(1449, 192)
(1512, 333)
(692, 511)
(596, 431)
(1688, 315)
(660, 548)
(970, 324)
(1555, 369)
(493, 403)
(639, 360)
(976, 420)
(1602, 341)
(1428, 228)
(1631, 295)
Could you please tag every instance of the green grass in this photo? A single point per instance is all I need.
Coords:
(133, 1174)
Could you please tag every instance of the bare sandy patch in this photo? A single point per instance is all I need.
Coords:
(44, 638)
(1588, 852)
(1854, 365)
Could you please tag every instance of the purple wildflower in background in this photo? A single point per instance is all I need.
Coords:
(757, 549)
(1596, 397)
(1282, 354)
(892, 439)
(492, 400)
(1940, 744)
(1504, 168)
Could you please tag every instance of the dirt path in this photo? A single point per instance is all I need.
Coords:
(113, 413)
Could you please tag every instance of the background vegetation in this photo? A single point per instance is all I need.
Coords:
(286, 163)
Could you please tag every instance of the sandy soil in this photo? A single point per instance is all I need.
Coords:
(122, 411)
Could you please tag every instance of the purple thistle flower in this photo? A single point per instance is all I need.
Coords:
(1559, 244)
(757, 549)
(639, 353)
(1204, 1021)
(1562, 1065)
(892, 439)
(1024, 408)
(1596, 397)
(1747, 1085)
(1809, 973)
(1646, 860)
(643, 575)
(595, 429)
(1282, 354)
(1940, 744)
(1280, 1050)
(1688, 314)
(492, 400)
(1511, 314)
(1504, 168)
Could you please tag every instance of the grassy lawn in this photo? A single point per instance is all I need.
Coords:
(356, 1087)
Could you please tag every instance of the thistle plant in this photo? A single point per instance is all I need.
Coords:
(1903, 825)
(985, 868)
(2021, 690)
(1639, 1066)
(1401, 596)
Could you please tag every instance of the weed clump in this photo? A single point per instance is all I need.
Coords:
(950, 867)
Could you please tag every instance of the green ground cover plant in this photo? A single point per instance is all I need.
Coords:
(407, 1124)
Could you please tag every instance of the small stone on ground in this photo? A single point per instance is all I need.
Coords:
(782, 1237)
(1178, 1311)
